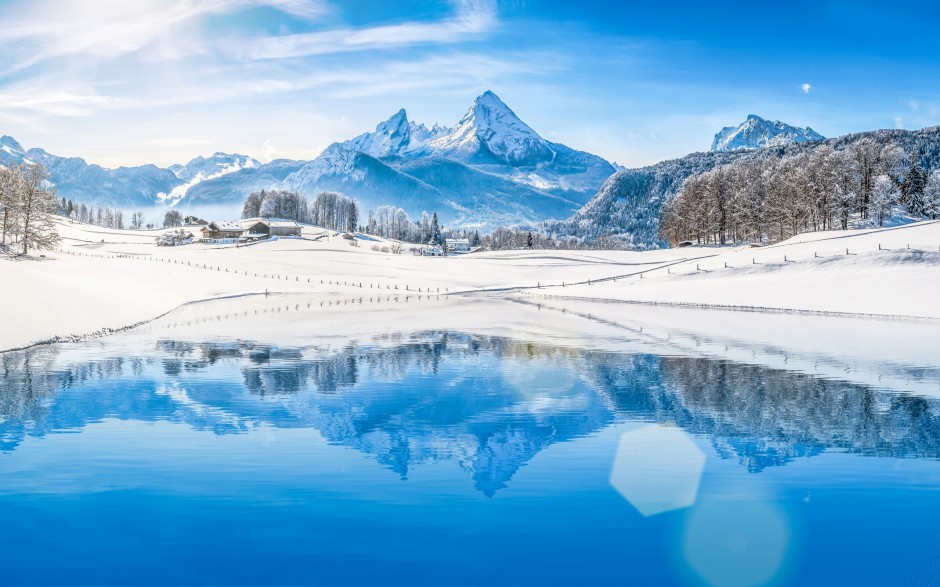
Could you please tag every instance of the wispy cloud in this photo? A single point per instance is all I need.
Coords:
(47, 29)
(61, 103)
(806, 88)
(471, 18)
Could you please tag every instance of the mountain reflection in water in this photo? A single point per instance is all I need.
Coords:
(490, 404)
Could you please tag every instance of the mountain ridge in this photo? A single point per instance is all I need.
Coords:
(757, 133)
(523, 177)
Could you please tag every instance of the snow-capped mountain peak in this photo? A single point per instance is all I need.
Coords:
(492, 125)
(390, 138)
(488, 112)
(422, 135)
(11, 146)
(756, 133)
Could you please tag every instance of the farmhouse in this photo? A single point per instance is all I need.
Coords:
(266, 227)
(219, 230)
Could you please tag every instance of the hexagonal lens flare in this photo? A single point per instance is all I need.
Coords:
(657, 469)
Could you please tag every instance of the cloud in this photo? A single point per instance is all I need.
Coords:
(267, 151)
(47, 29)
(898, 122)
(806, 88)
(471, 18)
(62, 103)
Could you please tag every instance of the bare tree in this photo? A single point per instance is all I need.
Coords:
(137, 220)
(866, 154)
(172, 218)
(9, 202)
(38, 206)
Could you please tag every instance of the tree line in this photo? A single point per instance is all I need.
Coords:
(102, 216)
(393, 222)
(28, 205)
(771, 198)
(330, 210)
(335, 211)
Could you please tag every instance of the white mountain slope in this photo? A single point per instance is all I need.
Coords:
(203, 169)
(214, 165)
(757, 133)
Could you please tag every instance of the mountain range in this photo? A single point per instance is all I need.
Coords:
(489, 169)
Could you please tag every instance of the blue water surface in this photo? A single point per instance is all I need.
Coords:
(445, 458)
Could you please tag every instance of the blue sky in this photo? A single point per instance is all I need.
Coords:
(161, 81)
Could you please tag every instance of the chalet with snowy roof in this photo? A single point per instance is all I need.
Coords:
(220, 230)
(457, 245)
(267, 227)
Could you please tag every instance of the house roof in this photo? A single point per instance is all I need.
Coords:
(270, 222)
(225, 225)
(248, 223)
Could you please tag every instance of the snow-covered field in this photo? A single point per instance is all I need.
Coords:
(105, 279)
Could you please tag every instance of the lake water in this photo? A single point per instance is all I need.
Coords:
(447, 458)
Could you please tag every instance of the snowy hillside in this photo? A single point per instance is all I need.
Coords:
(757, 133)
(101, 271)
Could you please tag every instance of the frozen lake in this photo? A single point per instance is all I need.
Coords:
(454, 458)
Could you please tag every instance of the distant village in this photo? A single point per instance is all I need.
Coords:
(253, 230)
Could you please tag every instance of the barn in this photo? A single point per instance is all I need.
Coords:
(267, 227)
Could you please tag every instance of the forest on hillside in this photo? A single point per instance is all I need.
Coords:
(770, 198)
(765, 194)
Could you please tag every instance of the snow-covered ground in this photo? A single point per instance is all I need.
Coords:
(105, 279)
